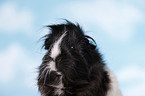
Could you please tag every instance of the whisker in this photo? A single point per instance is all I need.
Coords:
(45, 60)
(45, 77)
(42, 67)
(40, 77)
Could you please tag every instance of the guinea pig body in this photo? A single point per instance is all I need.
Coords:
(73, 66)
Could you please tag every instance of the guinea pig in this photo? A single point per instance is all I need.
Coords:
(73, 66)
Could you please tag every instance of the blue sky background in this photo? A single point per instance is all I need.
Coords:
(118, 26)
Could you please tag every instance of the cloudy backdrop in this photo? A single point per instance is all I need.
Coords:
(118, 26)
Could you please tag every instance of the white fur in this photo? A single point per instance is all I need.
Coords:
(58, 90)
(59, 87)
(55, 51)
(51, 66)
(114, 90)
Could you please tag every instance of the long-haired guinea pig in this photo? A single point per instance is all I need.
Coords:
(73, 65)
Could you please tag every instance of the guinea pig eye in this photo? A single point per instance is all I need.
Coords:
(72, 47)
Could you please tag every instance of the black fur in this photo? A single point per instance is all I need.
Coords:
(81, 65)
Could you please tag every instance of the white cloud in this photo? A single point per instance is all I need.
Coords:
(13, 19)
(18, 66)
(116, 18)
(137, 90)
(8, 60)
(131, 73)
(133, 79)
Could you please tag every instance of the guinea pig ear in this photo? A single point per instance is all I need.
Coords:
(92, 44)
(46, 44)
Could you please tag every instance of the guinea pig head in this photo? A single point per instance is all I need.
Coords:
(70, 49)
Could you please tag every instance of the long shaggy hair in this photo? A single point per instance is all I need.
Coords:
(73, 65)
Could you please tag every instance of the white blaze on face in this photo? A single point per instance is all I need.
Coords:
(55, 51)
